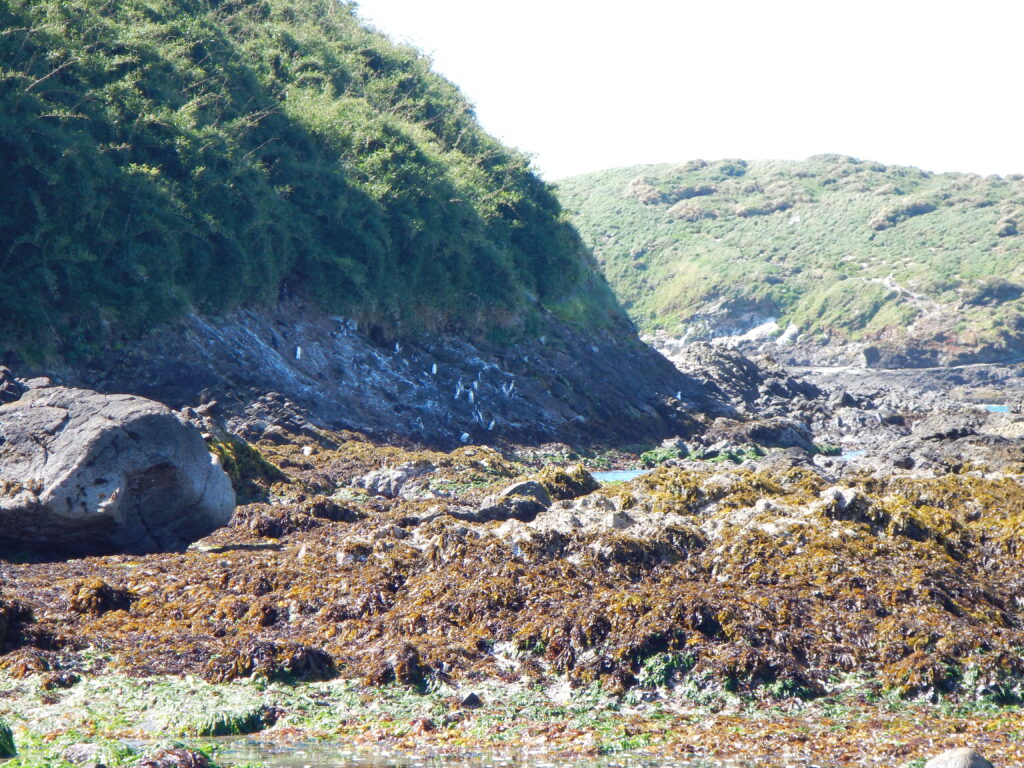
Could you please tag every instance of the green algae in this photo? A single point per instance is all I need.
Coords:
(7, 746)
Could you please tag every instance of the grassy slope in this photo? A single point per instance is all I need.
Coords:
(164, 155)
(836, 245)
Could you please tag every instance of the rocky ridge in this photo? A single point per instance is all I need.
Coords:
(299, 368)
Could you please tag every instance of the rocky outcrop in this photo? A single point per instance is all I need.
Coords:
(296, 367)
(82, 472)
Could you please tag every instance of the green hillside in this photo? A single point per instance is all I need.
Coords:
(843, 248)
(161, 156)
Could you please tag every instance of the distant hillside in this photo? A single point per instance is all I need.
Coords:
(164, 156)
(846, 250)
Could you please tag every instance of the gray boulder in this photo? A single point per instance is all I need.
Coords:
(390, 481)
(86, 473)
(958, 758)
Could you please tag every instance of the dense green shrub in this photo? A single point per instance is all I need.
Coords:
(164, 155)
(841, 247)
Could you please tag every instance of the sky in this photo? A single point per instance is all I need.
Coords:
(582, 85)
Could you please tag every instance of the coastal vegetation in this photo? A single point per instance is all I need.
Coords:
(840, 247)
(165, 156)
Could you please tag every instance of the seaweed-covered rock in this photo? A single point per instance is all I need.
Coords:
(270, 660)
(12, 612)
(563, 484)
(96, 597)
(84, 473)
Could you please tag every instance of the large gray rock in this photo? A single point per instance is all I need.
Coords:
(83, 473)
(958, 758)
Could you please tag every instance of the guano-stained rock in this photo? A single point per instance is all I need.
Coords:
(85, 473)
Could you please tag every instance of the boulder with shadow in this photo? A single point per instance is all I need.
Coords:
(86, 473)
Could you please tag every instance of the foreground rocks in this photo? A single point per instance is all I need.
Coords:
(713, 586)
(958, 758)
(82, 472)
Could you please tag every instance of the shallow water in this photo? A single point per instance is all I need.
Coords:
(619, 475)
(239, 751)
(995, 407)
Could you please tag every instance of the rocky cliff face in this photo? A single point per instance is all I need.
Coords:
(294, 367)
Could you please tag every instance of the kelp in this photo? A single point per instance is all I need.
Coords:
(717, 581)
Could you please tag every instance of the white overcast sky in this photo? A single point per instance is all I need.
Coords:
(583, 85)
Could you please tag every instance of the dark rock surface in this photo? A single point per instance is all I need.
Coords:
(298, 368)
(82, 473)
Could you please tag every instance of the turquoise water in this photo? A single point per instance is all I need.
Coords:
(619, 475)
(995, 408)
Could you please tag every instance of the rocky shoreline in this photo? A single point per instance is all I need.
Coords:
(757, 580)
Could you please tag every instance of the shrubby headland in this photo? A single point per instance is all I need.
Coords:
(847, 255)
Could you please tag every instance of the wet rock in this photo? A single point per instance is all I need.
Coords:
(890, 418)
(784, 459)
(619, 521)
(958, 758)
(82, 472)
(840, 503)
